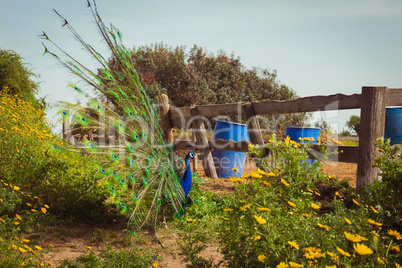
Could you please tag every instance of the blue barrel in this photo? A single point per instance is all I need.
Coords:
(226, 161)
(393, 125)
(303, 132)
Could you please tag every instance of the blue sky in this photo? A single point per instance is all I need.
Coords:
(318, 47)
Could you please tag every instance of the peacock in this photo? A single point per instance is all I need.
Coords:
(137, 165)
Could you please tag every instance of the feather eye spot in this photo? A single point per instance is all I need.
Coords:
(112, 188)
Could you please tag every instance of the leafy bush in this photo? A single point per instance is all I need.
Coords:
(276, 219)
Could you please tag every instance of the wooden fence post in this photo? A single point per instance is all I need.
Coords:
(372, 124)
(166, 122)
(253, 126)
(202, 144)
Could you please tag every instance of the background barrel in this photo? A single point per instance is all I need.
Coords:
(226, 161)
(393, 125)
(303, 132)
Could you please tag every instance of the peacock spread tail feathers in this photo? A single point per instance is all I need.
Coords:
(135, 164)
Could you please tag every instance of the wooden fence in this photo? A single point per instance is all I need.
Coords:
(372, 103)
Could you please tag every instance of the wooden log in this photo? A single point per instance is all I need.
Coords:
(394, 97)
(346, 154)
(202, 144)
(308, 104)
(253, 126)
(164, 114)
(372, 124)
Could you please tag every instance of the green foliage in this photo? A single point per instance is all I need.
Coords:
(354, 123)
(110, 258)
(15, 77)
(386, 194)
(42, 173)
(276, 217)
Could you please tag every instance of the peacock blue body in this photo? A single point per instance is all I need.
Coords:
(186, 182)
(135, 163)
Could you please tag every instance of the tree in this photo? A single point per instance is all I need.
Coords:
(15, 77)
(354, 123)
(197, 77)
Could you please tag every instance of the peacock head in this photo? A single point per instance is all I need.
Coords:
(190, 155)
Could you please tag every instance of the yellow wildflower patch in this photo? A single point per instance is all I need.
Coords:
(291, 204)
(284, 182)
(261, 257)
(263, 209)
(323, 226)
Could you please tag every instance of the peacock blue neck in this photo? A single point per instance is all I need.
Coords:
(187, 180)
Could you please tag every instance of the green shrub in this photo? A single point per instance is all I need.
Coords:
(277, 220)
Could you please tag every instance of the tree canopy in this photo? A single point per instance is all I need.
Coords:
(198, 77)
(15, 77)
(354, 123)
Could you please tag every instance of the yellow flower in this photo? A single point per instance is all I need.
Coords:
(22, 250)
(357, 203)
(284, 182)
(16, 223)
(257, 237)
(352, 238)
(342, 252)
(33, 210)
(225, 219)
(88, 247)
(261, 257)
(227, 209)
(18, 217)
(25, 240)
(245, 207)
(308, 189)
(16, 188)
(374, 222)
(43, 210)
(305, 214)
(374, 210)
(307, 139)
(264, 209)
(317, 193)
(293, 244)
(235, 169)
(259, 219)
(155, 264)
(395, 248)
(315, 206)
(314, 255)
(291, 204)
(282, 265)
(250, 146)
(347, 220)
(29, 205)
(380, 150)
(14, 246)
(46, 206)
(323, 226)
(333, 256)
(295, 265)
(38, 247)
(48, 262)
(191, 220)
(395, 234)
(287, 141)
(397, 265)
(362, 249)
(380, 260)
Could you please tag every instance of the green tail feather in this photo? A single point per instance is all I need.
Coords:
(135, 168)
